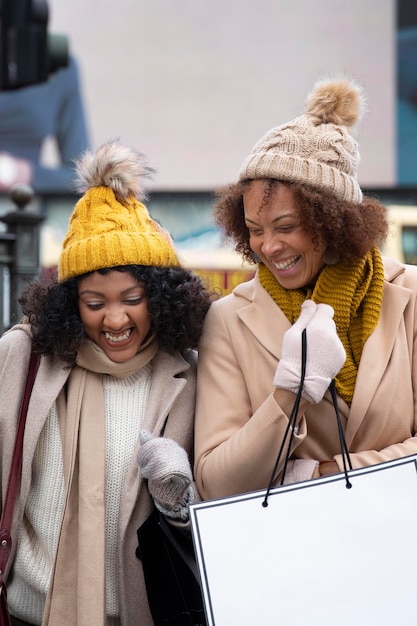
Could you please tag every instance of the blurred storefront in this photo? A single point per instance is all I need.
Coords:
(188, 217)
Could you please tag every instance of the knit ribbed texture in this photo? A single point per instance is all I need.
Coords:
(125, 401)
(316, 148)
(354, 292)
(38, 536)
(108, 232)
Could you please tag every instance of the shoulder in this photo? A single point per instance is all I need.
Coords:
(246, 296)
(400, 274)
(175, 364)
(242, 294)
(15, 346)
(65, 80)
(17, 340)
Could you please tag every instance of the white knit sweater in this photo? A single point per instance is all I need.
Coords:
(125, 401)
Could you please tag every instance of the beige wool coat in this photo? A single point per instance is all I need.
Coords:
(172, 393)
(239, 425)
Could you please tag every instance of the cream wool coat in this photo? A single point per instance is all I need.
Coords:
(239, 425)
(172, 392)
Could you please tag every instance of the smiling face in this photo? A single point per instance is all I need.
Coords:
(114, 311)
(277, 237)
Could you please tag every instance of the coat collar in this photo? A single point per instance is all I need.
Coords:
(268, 324)
(166, 386)
(263, 318)
(378, 348)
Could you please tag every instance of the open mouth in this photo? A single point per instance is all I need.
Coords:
(118, 338)
(288, 264)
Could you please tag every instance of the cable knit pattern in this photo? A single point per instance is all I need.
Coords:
(354, 292)
(318, 147)
(125, 400)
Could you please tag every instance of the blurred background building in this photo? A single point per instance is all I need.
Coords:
(194, 85)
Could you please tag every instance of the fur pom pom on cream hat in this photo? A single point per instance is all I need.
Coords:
(110, 226)
(317, 148)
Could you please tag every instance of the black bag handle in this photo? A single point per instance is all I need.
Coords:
(289, 431)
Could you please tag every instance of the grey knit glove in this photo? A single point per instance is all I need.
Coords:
(166, 466)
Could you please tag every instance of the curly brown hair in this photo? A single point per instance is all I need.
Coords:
(177, 304)
(348, 230)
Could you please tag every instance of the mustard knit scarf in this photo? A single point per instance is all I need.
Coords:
(354, 292)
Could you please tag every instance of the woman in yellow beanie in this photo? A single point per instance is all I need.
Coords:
(117, 333)
(298, 212)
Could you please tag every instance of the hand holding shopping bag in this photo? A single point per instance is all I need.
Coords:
(336, 517)
(325, 357)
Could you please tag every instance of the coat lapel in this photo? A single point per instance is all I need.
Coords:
(376, 354)
(268, 324)
(262, 316)
(164, 392)
(50, 379)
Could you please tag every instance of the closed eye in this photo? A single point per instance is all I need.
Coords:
(134, 301)
(286, 229)
(94, 306)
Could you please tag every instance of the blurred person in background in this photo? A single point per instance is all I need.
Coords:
(51, 110)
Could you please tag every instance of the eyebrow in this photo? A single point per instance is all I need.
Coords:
(276, 219)
(99, 293)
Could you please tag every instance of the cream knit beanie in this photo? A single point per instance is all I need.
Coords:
(316, 148)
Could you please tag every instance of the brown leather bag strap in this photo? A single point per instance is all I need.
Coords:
(16, 469)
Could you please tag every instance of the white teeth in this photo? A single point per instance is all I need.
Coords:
(286, 264)
(117, 338)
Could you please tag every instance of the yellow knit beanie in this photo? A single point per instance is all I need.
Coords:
(316, 148)
(110, 226)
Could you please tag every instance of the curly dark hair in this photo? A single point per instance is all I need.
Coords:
(348, 230)
(177, 304)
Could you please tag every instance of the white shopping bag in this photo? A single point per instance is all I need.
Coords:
(319, 554)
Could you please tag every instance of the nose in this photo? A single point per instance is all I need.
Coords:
(116, 317)
(271, 243)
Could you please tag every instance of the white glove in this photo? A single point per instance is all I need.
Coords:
(325, 353)
(166, 466)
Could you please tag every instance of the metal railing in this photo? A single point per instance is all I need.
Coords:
(19, 253)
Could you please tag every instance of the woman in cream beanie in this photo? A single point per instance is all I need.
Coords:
(298, 213)
(117, 333)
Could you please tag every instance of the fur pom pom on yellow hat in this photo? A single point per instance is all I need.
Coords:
(110, 226)
(317, 148)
